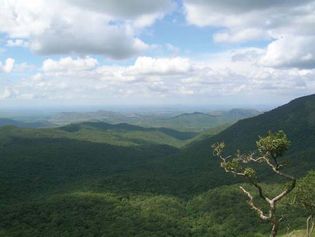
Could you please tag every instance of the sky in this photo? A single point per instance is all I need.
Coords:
(161, 52)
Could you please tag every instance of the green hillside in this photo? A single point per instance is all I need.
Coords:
(98, 179)
(296, 118)
(99, 132)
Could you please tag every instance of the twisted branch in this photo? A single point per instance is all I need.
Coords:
(254, 207)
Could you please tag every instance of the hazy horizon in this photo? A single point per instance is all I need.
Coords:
(22, 111)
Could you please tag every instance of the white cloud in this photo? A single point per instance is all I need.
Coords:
(291, 51)
(239, 35)
(69, 64)
(159, 66)
(6, 93)
(86, 27)
(37, 77)
(8, 66)
(113, 29)
(147, 70)
(23, 68)
(129, 9)
(17, 43)
(271, 17)
(287, 24)
(235, 74)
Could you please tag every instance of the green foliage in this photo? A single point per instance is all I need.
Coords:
(250, 172)
(295, 118)
(72, 187)
(97, 181)
(274, 144)
(94, 214)
(304, 195)
(213, 213)
(233, 165)
(218, 148)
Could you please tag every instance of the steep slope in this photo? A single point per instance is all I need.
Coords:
(195, 170)
(296, 118)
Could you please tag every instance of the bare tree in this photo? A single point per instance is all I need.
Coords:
(270, 148)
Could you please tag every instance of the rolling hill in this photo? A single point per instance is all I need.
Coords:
(22, 124)
(99, 179)
(189, 122)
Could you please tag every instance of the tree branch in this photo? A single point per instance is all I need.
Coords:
(260, 191)
(291, 178)
(254, 207)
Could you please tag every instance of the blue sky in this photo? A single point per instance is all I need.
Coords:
(165, 52)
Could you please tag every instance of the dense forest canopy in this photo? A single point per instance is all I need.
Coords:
(97, 179)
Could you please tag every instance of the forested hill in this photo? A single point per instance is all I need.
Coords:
(98, 179)
(297, 119)
(191, 122)
(21, 124)
(125, 127)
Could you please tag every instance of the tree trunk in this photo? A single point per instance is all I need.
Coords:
(274, 230)
(309, 226)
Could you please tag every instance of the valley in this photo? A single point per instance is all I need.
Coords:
(93, 178)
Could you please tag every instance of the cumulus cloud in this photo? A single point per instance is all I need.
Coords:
(7, 66)
(87, 27)
(160, 66)
(113, 29)
(252, 16)
(291, 51)
(129, 9)
(92, 36)
(288, 25)
(69, 64)
(235, 73)
(17, 43)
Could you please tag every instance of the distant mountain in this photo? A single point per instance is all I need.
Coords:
(134, 133)
(237, 114)
(202, 121)
(191, 122)
(193, 164)
(77, 117)
(6, 122)
(21, 124)
(296, 118)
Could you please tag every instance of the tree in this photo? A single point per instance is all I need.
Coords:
(304, 197)
(269, 149)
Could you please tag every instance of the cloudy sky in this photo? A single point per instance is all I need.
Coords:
(110, 52)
